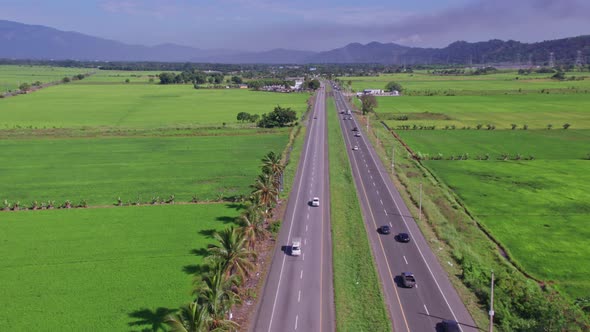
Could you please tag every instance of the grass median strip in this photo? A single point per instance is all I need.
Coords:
(359, 302)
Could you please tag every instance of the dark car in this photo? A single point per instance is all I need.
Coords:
(450, 326)
(403, 237)
(355, 129)
(385, 229)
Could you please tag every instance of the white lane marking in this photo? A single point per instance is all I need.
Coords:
(296, 319)
(380, 200)
(307, 215)
(299, 297)
(307, 145)
(377, 192)
(306, 228)
(371, 175)
(426, 310)
(374, 184)
(385, 211)
(305, 242)
(303, 257)
(405, 260)
(301, 275)
(390, 224)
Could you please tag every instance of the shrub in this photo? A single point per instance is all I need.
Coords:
(566, 125)
(513, 126)
(549, 126)
(479, 125)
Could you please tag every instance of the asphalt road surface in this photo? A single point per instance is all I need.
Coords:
(298, 294)
(433, 299)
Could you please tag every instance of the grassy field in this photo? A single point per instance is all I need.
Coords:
(101, 169)
(359, 302)
(536, 209)
(116, 269)
(138, 106)
(535, 110)
(120, 76)
(498, 83)
(12, 76)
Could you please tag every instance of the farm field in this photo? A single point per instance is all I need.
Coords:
(119, 77)
(535, 110)
(537, 209)
(12, 76)
(99, 170)
(138, 106)
(115, 269)
(474, 84)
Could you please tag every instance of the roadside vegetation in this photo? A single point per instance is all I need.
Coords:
(360, 305)
(13, 77)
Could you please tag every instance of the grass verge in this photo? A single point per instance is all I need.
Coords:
(360, 305)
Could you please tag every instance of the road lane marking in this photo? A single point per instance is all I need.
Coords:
(385, 212)
(306, 228)
(374, 184)
(307, 215)
(394, 285)
(380, 200)
(371, 175)
(301, 275)
(390, 224)
(377, 192)
(305, 241)
(299, 297)
(405, 260)
(302, 257)
(307, 145)
(426, 310)
(296, 319)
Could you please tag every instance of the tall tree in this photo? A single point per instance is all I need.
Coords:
(231, 252)
(191, 318)
(216, 293)
(271, 165)
(369, 103)
(265, 191)
(252, 223)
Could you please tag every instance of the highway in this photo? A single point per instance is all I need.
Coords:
(298, 294)
(423, 307)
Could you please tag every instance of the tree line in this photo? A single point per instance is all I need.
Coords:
(230, 260)
(279, 117)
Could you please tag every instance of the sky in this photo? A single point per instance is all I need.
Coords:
(314, 25)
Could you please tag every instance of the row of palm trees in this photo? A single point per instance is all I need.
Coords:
(231, 259)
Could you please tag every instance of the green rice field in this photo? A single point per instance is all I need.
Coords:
(537, 209)
(99, 170)
(12, 76)
(138, 106)
(115, 269)
(507, 81)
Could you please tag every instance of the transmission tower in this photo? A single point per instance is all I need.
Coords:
(579, 59)
(551, 59)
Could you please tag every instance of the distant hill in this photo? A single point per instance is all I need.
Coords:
(461, 52)
(23, 41)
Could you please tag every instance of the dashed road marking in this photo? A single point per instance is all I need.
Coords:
(296, 319)
(299, 297)
(405, 260)
(426, 310)
(380, 200)
(301, 275)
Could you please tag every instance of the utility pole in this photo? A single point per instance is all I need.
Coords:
(420, 204)
(392, 159)
(492, 305)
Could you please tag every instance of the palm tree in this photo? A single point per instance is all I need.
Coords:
(271, 165)
(252, 223)
(216, 293)
(266, 191)
(192, 318)
(231, 252)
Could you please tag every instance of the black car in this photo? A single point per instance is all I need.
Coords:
(385, 229)
(403, 237)
(450, 326)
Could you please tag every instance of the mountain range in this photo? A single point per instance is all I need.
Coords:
(23, 41)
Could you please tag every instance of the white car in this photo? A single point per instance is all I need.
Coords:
(315, 201)
(296, 247)
(355, 148)
(357, 134)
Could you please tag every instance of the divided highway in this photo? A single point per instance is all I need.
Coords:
(433, 299)
(298, 294)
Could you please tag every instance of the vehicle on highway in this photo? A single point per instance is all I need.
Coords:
(315, 117)
(355, 129)
(385, 229)
(355, 148)
(408, 279)
(449, 326)
(357, 134)
(315, 201)
(296, 247)
(403, 237)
